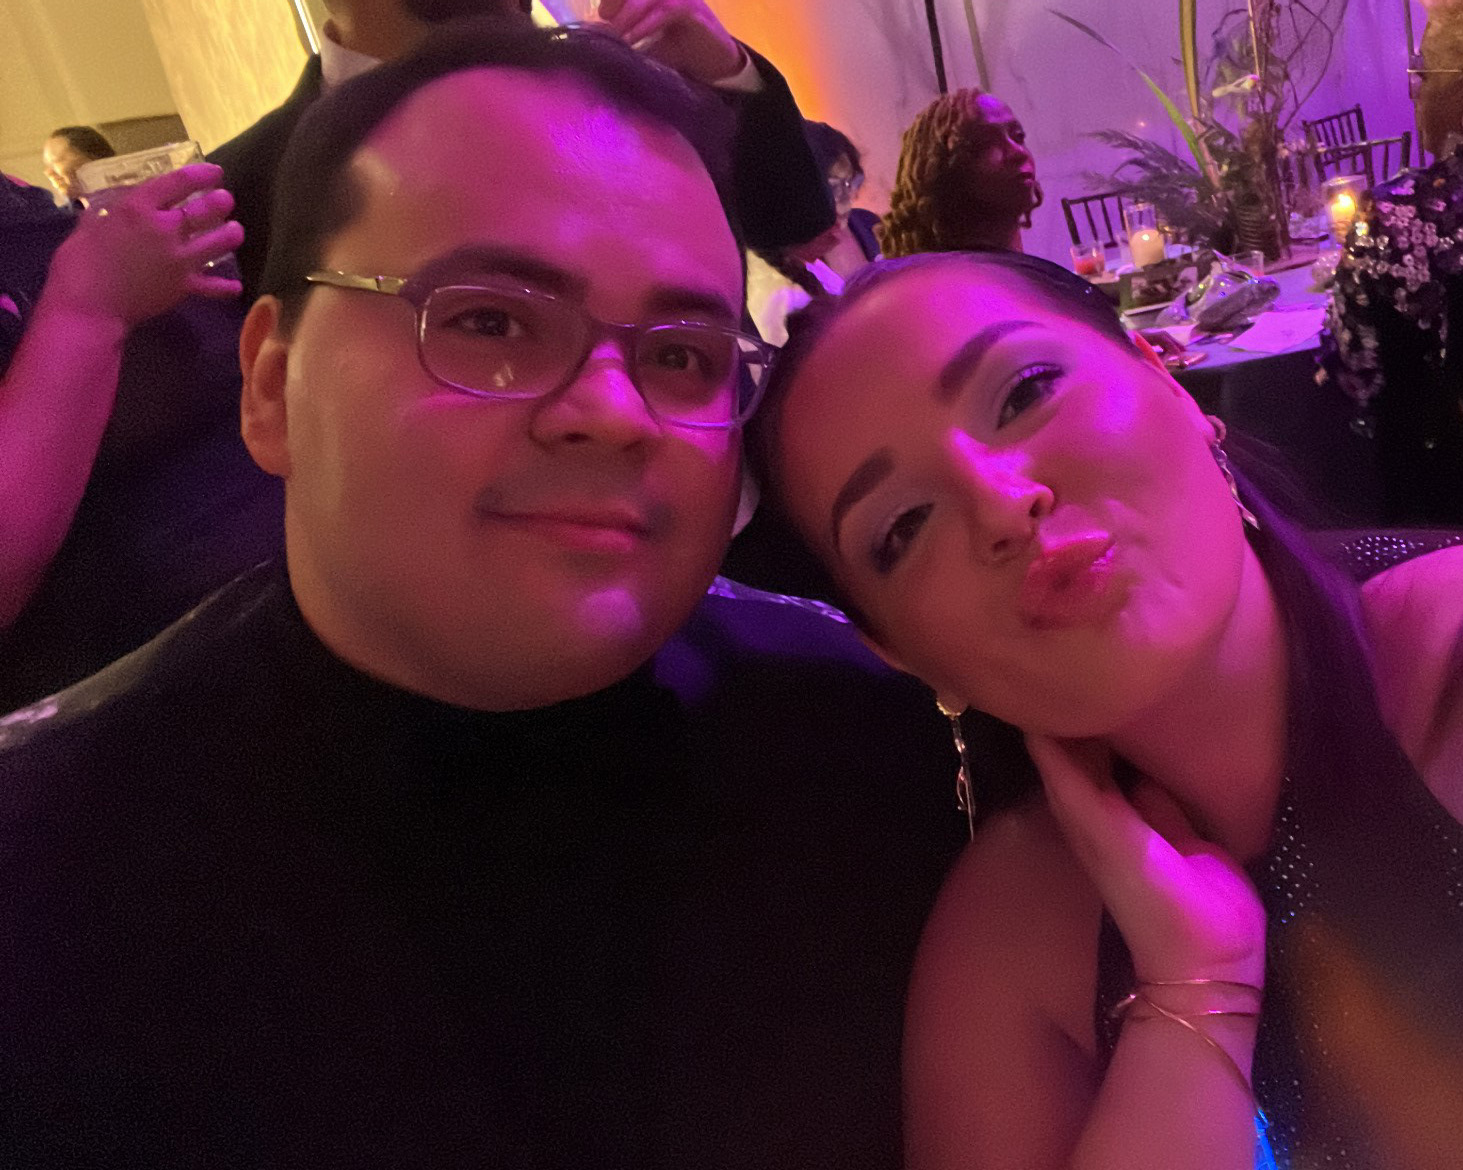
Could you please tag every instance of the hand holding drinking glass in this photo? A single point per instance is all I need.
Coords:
(684, 34)
(142, 250)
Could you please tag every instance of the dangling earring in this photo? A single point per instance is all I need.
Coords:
(1216, 448)
(964, 797)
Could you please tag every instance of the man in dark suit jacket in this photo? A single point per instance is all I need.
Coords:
(781, 196)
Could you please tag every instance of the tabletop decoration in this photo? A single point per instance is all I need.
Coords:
(1233, 191)
(1343, 197)
(1145, 242)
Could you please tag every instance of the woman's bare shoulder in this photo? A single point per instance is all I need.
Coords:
(1018, 919)
(999, 1041)
(1414, 618)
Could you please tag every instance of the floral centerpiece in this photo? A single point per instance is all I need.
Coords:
(1235, 188)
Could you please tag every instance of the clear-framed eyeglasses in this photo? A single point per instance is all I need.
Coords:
(503, 341)
(845, 189)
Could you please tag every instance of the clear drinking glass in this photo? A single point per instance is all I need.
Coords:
(1089, 259)
(102, 178)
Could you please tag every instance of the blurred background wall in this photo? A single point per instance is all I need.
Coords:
(864, 65)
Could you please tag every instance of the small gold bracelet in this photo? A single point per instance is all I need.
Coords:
(1140, 994)
(1161, 1012)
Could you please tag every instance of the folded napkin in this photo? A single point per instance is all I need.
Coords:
(1280, 330)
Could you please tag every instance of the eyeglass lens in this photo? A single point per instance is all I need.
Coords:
(515, 344)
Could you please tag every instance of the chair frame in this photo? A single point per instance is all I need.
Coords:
(1332, 158)
(1083, 203)
(1336, 130)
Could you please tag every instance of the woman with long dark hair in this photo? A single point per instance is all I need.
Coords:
(782, 281)
(1216, 881)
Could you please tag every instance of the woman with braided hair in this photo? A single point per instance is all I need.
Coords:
(965, 180)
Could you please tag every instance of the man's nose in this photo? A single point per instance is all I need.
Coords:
(1003, 501)
(599, 404)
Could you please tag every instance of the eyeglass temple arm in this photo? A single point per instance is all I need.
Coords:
(382, 284)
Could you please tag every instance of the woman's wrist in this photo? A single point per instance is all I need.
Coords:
(1192, 998)
(1223, 1014)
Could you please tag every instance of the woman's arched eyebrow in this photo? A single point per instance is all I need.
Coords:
(957, 371)
(953, 375)
(865, 478)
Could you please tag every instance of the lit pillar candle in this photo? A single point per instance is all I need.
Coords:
(1341, 196)
(1145, 242)
(1146, 246)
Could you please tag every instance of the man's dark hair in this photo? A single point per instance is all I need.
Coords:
(87, 140)
(315, 196)
(829, 144)
(438, 11)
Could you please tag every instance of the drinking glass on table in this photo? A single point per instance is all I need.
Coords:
(1089, 259)
(1252, 261)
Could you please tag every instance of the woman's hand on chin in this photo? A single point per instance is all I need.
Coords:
(1185, 908)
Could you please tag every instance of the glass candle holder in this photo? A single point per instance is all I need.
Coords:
(1145, 241)
(1342, 196)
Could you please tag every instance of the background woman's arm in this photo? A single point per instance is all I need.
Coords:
(113, 272)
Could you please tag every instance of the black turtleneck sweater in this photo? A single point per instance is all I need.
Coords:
(261, 910)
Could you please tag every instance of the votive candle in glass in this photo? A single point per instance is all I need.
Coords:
(1342, 195)
(1145, 241)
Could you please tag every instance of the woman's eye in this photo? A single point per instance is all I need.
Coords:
(1032, 385)
(891, 545)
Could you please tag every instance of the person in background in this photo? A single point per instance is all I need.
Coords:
(1398, 301)
(68, 148)
(966, 179)
(488, 828)
(780, 194)
(1217, 858)
(356, 36)
(125, 492)
(782, 280)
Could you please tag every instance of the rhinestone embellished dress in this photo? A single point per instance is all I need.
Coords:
(1363, 888)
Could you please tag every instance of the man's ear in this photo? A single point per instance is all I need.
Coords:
(264, 359)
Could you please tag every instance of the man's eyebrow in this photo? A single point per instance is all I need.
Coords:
(685, 301)
(472, 260)
(957, 371)
(865, 478)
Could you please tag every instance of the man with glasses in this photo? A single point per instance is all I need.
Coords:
(478, 833)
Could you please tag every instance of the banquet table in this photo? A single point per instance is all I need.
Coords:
(1273, 397)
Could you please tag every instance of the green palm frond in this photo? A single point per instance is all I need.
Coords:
(1189, 51)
